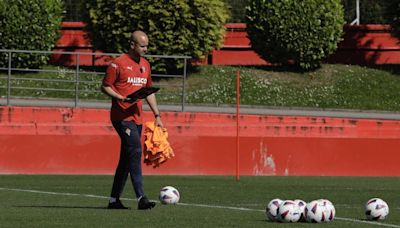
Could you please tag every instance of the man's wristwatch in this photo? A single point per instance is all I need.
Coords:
(157, 115)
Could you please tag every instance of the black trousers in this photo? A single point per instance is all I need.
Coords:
(130, 158)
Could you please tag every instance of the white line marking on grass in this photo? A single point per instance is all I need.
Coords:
(219, 207)
(366, 222)
(60, 193)
(249, 209)
(53, 193)
(189, 204)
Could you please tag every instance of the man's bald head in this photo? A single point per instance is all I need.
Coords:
(138, 36)
(138, 45)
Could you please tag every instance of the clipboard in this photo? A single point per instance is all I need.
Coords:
(141, 93)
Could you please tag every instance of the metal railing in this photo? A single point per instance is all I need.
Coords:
(75, 85)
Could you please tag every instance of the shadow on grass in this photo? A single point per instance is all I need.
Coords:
(391, 68)
(277, 68)
(62, 207)
(280, 68)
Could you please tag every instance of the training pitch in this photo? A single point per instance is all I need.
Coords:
(206, 201)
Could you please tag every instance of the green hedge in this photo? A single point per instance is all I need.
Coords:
(176, 27)
(304, 32)
(29, 25)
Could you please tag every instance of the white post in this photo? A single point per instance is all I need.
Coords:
(357, 20)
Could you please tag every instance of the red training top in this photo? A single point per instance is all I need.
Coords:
(125, 76)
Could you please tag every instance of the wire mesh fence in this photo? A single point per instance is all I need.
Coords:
(75, 85)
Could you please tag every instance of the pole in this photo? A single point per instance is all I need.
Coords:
(357, 20)
(237, 123)
(358, 11)
(184, 84)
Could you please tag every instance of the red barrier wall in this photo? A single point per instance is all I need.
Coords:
(73, 38)
(362, 44)
(236, 49)
(367, 44)
(82, 141)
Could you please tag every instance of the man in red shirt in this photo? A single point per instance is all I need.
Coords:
(125, 75)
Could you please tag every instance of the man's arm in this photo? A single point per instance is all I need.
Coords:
(111, 93)
(151, 100)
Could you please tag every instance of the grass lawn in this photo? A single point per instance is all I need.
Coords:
(330, 87)
(206, 201)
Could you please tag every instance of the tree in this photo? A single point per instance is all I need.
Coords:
(29, 25)
(396, 21)
(175, 27)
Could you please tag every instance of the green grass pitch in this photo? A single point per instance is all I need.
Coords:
(206, 201)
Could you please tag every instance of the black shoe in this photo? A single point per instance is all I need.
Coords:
(145, 204)
(116, 205)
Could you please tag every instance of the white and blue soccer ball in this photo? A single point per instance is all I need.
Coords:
(315, 212)
(272, 209)
(169, 195)
(330, 211)
(302, 205)
(289, 211)
(376, 209)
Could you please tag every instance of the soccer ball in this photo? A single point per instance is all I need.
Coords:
(376, 209)
(329, 210)
(302, 206)
(289, 211)
(272, 209)
(315, 212)
(169, 195)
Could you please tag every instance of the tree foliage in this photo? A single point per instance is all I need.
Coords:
(396, 21)
(371, 11)
(29, 25)
(304, 32)
(175, 27)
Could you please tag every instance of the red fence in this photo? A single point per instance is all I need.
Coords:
(82, 141)
(73, 38)
(368, 44)
(362, 44)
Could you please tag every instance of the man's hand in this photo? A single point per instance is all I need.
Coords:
(159, 122)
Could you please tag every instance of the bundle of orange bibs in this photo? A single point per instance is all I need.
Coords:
(156, 146)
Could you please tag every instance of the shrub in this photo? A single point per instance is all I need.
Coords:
(176, 27)
(29, 25)
(304, 32)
